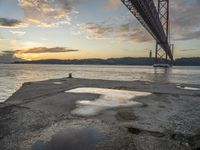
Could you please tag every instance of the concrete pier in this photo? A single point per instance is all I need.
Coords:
(39, 117)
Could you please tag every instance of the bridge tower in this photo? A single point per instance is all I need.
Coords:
(163, 12)
(156, 21)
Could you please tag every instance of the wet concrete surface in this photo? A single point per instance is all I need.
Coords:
(39, 116)
(71, 139)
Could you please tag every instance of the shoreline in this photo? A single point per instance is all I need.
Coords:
(148, 65)
(167, 119)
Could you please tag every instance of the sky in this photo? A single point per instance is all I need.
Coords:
(79, 29)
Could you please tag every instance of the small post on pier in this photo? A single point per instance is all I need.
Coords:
(70, 75)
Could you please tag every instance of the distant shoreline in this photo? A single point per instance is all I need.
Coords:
(143, 61)
(131, 61)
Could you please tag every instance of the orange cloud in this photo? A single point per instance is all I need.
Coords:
(34, 53)
(114, 3)
(44, 50)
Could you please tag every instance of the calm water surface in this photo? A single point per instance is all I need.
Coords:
(12, 76)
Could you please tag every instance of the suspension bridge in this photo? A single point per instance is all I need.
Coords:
(156, 21)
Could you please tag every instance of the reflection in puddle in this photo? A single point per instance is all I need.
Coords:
(110, 98)
(187, 88)
(71, 139)
(57, 83)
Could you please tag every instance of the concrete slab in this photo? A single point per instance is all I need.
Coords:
(38, 112)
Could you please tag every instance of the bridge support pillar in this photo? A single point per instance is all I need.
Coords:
(163, 12)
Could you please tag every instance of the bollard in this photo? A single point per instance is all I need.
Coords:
(70, 75)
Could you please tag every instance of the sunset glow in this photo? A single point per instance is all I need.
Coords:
(95, 29)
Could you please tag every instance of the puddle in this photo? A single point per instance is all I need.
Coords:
(71, 139)
(187, 88)
(109, 98)
(57, 83)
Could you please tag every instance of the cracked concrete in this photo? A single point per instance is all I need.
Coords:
(168, 119)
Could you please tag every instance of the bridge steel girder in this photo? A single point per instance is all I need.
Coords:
(163, 12)
(146, 13)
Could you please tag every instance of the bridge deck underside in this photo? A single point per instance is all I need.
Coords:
(145, 11)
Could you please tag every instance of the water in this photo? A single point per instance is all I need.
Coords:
(12, 76)
(71, 139)
(110, 98)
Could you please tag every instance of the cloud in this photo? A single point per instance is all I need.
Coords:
(48, 13)
(188, 49)
(188, 35)
(8, 57)
(40, 50)
(127, 32)
(185, 19)
(97, 31)
(17, 32)
(11, 23)
(114, 3)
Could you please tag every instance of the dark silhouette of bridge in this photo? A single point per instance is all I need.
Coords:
(156, 22)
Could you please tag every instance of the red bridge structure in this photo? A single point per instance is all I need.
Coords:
(156, 21)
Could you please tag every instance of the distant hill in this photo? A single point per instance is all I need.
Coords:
(115, 61)
(194, 61)
(110, 61)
